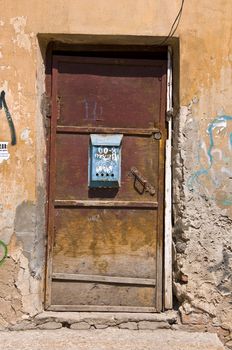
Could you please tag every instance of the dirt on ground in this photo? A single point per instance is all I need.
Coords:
(108, 339)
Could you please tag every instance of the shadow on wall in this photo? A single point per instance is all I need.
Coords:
(213, 179)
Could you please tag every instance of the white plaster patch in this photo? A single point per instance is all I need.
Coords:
(220, 111)
(29, 287)
(25, 136)
(218, 152)
(221, 124)
(204, 148)
(4, 85)
(20, 88)
(4, 154)
(22, 39)
(226, 171)
(2, 67)
(195, 100)
(1, 23)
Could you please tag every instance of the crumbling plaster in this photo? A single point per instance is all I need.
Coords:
(201, 171)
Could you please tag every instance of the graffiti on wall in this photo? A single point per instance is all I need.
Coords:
(3, 105)
(3, 252)
(213, 177)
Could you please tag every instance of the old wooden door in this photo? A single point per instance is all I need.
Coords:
(105, 245)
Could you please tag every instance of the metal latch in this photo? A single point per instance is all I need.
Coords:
(146, 186)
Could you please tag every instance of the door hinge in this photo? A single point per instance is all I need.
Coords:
(46, 109)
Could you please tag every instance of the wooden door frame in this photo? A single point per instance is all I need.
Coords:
(51, 170)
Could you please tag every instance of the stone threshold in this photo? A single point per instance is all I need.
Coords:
(100, 320)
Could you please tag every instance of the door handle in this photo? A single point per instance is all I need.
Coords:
(146, 186)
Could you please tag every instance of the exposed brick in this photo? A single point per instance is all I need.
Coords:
(194, 318)
(184, 278)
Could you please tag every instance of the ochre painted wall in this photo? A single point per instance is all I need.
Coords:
(202, 151)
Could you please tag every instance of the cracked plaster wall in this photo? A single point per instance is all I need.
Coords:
(201, 145)
(202, 232)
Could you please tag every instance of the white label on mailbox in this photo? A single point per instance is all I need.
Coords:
(4, 154)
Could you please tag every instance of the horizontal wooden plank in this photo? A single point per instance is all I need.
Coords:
(110, 204)
(104, 279)
(104, 130)
(100, 308)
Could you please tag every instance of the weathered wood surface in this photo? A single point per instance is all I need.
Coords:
(104, 279)
(114, 233)
(102, 203)
(116, 242)
(102, 130)
(87, 293)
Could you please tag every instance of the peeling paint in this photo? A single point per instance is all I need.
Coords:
(22, 39)
(25, 136)
(215, 153)
(202, 222)
(3, 67)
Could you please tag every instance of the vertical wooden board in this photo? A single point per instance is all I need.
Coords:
(168, 299)
(116, 242)
(51, 187)
(160, 230)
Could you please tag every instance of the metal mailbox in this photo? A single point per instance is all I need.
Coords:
(105, 160)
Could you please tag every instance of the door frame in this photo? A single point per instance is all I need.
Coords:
(164, 299)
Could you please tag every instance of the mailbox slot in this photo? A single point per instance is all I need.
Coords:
(105, 160)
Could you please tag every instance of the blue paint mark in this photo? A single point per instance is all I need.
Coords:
(210, 128)
(227, 202)
(231, 139)
(195, 177)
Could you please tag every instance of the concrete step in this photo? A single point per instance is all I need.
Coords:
(108, 339)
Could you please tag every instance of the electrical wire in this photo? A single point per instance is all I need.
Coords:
(174, 25)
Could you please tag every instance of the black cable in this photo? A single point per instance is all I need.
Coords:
(8, 117)
(176, 22)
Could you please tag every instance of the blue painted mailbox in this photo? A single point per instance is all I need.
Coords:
(105, 160)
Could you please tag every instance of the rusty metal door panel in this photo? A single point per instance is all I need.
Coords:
(113, 242)
(109, 92)
(72, 168)
(105, 245)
